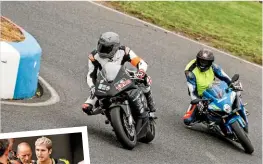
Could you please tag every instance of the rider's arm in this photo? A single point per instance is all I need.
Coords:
(191, 83)
(135, 60)
(220, 74)
(89, 75)
(92, 70)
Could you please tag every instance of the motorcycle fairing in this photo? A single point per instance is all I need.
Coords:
(114, 85)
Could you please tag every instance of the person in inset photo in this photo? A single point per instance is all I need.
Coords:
(12, 154)
(24, 153)
(12, 158)
(4, 150)
(43, 148)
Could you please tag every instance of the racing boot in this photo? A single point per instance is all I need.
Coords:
(150, 102)
(87, 108)
(189, 116)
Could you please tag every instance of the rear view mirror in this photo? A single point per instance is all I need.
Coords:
(235, 78)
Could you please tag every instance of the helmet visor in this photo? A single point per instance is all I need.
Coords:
(105, 48)
(204, 63)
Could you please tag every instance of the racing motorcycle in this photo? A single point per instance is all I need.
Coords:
(111, 88)
(224, 112)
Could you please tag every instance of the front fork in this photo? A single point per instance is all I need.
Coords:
(240, 116)
(235, 118)
(241, 106)
(127, 110)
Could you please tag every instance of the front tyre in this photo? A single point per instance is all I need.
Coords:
(125, 133)
(242, 137)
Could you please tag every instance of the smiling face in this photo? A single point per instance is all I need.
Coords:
(43, 153)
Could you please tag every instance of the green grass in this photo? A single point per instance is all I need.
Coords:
(235, 27)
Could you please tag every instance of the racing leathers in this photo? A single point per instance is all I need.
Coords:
(122, 55)
(198, 82)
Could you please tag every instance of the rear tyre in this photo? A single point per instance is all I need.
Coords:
(242, 137)
(150, 135)
(126, 136)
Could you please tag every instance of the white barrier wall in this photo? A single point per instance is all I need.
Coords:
(9, 68)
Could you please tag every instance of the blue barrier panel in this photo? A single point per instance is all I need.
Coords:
(29, 66)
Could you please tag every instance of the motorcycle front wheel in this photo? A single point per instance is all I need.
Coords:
(125, 133)
(242, 137)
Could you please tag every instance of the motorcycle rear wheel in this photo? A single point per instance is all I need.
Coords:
(150, 135)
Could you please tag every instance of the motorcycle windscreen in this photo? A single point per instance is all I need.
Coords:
(216, 90)
(110, 71)
(111, 81)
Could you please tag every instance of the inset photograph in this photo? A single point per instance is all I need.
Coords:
(53, 146)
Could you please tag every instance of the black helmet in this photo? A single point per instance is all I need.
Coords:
(204, 59)
(108, 44)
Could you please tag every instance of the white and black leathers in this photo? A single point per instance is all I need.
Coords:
(122, 55)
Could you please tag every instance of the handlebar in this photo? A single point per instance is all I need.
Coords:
(235, 86)
(196, 101)
(132, 75)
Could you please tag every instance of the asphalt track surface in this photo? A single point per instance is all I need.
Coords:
(67, 31)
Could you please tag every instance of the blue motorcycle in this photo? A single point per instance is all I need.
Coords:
(224, 112)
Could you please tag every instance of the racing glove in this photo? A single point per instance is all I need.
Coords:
(140, 74)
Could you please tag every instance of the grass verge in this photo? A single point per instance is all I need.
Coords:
(234, 27)
(9, 32)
